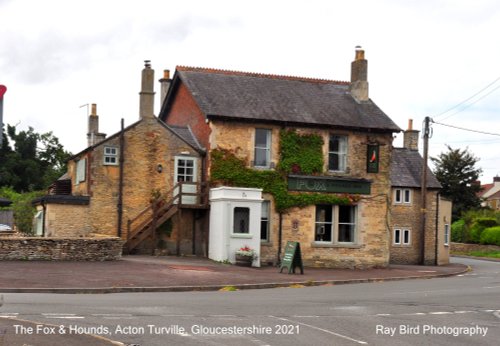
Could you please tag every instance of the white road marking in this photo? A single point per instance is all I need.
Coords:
(322, 330)
(63, 316)
(492, 287)
(440, 313)
(115, 316)
(10, 314)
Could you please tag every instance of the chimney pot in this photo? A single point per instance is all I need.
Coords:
(165, 85)
(93, 109)
(166, 74)
(360, 53)
(410, 124)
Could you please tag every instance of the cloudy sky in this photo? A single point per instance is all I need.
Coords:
(437, 58)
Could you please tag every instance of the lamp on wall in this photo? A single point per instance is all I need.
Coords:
(159, 168)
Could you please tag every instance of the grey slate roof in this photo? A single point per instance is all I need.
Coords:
(294, 100)
(406, 170)
(185, 133)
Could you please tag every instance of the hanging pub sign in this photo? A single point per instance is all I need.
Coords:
(372, 158)
(292, 258)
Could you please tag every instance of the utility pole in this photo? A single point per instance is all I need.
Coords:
(3, 89)
(426, 135)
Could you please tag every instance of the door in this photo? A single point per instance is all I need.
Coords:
(186, 172)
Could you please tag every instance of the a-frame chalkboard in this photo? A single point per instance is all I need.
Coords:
(292, 258)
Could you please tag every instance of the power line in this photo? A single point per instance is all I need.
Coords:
(469, 98)
(470, 130)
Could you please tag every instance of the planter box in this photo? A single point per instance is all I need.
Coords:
(243, 261)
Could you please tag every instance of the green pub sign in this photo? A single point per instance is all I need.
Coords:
(372, 158)
(329, 185)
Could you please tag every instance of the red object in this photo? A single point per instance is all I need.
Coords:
(3, 89)
(374, 157)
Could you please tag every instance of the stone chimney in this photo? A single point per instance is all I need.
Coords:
(411, 137)
(147, 94)
(359, 76)
(93, 135)
(165, 85)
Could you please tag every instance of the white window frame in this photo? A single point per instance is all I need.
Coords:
(341, 152)
(81, 170)
(404, 233)
(334, 225)
(267, 148)
(178, 165)
(266, 209)
(109, 158)
(403, 196)
(446, 234)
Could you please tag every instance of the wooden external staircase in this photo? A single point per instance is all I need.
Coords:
(182, 195)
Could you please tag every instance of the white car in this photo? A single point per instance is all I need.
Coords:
(4, 227)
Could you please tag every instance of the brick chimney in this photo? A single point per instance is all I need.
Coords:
(410, 140)
(165, 85)
(359, 76)
(147, 94)
(93, 135)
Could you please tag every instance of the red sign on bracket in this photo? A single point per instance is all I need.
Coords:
(3, 89)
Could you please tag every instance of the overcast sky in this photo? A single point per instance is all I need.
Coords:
(424, 57)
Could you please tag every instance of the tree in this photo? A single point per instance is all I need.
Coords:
(35, 160)
(458, 175)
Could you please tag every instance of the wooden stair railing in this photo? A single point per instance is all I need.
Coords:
(145, 223)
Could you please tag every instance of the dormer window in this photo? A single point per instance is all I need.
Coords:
(262, 153)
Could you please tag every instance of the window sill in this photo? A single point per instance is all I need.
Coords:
(266, 243)
(325, 245)
(242, 235)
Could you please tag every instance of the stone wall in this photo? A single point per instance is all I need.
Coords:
(60, 249)
(66, 220)
(465, 248)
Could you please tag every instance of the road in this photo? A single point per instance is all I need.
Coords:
(443, 311)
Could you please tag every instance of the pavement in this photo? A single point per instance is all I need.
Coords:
(173, 274)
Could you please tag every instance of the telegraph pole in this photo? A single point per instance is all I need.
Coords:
(426, 135)
(3, 89)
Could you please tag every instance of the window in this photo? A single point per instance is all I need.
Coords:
(446, 234)
(335, 224)
(185, 169)
(110, 156)
(262, 155)
(401, 237)
(347, 224)
(402, 196)
(337, 153)
(241, 220)
(264, 222)
(80, 171)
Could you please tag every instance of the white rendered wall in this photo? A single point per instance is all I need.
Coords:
(223, 243)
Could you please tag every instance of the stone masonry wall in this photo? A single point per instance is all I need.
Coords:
(60, 249)
(65, 220)
(372, 246)
(465, 248)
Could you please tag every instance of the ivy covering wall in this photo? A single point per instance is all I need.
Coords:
(299, 154)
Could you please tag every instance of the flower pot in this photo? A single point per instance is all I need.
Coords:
(243, 261)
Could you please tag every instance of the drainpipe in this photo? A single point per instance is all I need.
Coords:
(280, 237)
(437, 231)
(44, 208)
(120, 184)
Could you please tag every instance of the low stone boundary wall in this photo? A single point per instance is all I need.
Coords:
(465, 248)
(60, 249)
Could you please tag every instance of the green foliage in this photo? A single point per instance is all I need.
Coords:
(491, 236)
(300, 154)
(458, 231)
(22, 207)
(457, 173)
(479, 225)
(229, 170)
(35, 161)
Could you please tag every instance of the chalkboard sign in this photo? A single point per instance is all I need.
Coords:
(292, 258)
